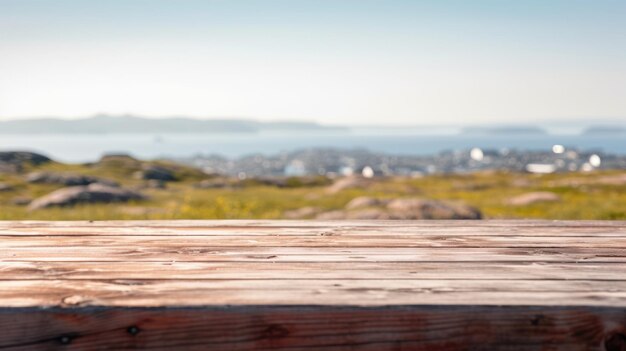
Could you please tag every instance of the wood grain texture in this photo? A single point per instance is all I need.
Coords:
(419, 328)
(313, 285)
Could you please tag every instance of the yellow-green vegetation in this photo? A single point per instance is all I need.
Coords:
(593, 195)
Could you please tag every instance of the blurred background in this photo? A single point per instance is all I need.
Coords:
(353, 109)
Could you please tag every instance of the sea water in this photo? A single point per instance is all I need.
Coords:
(89, 147)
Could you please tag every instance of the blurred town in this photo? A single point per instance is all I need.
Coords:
(335, 162)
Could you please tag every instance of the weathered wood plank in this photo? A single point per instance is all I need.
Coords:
(155, 293)
(418, 328)
(321, 241)
(309, 254)
(313, 270)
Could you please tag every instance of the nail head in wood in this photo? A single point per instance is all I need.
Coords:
(133, 330)
(65, 339)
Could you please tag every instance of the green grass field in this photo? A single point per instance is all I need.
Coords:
(583, 196)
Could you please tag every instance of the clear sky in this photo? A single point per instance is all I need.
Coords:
(333, 61)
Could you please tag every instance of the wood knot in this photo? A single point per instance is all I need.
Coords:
(615, 342)
(274, 331)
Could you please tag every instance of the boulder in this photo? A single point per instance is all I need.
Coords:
(67, 179)
(534, 197)
(403, 209)
(85, 194)
(5, 187)
(430, 209)
(156, 173)
(21, 157)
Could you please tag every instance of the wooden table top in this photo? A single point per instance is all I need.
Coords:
(394, 274)
(194, 263)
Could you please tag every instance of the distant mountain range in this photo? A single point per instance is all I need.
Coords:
(107, 124)
(534, 130)
(605, 129)
(129, 124)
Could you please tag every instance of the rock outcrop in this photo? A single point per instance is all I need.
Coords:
(21, 157)
(14, 161)
(86, 194)
(67, 179)
(402, 209)
(431, 209)
(156, 173)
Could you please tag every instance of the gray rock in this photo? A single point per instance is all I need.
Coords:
(407, 209)
(430, 209)
(21, 157)
(157, 173)
(86, 194)
(368, 208)
(5, 187)
(67, 179)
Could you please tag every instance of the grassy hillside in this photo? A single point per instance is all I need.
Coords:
(597, 195)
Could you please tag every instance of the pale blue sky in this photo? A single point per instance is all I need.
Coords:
(334, 61)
